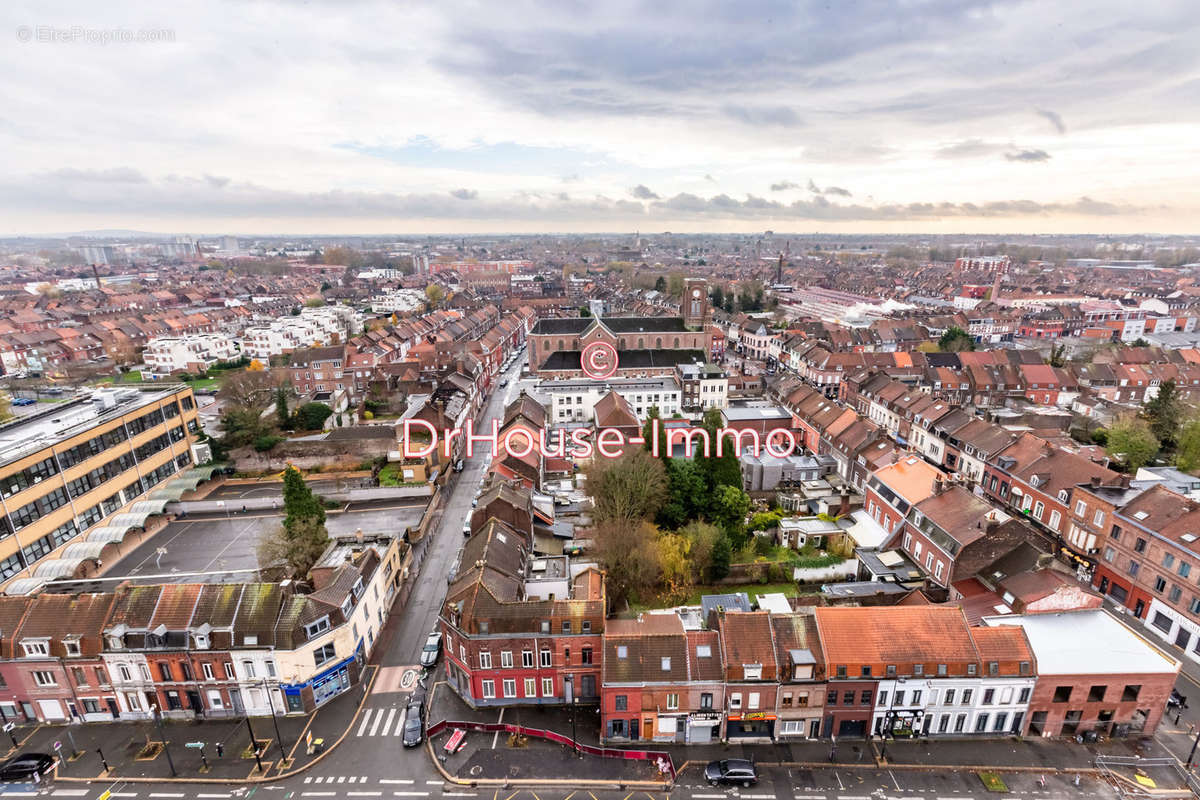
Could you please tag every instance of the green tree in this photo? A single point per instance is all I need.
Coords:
(686, 493)
(584, 311)
(299, 502)
(675, 284)
(311, 416)
(955, 340)
(302, 537)
(660, 285)
(648, 436)
(627, 489)
(723, 470)
(1058, 356)
(314, 302)
(702, 537)
(1187, 448)
(628, 552)
(717, 296)
(1132, 442)
(729, 509)
(722, 556)
(1164, 412)
(435, 294)
(281, 407)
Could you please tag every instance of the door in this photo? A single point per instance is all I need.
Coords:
(194, 702)
(1182, 638)
(113, 708)
(235, 701)
(633, 729)
(27, 710)
(51, 710)
(588, 687)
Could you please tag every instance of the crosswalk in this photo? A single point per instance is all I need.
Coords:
(381, 722)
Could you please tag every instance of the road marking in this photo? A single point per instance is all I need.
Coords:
(857, 797)
(341, 779)
(399, 723)
(366, 721)
(212, 795)
(363, 779)
(363, 794)
(809, 797)
(433, 783)
(20, 794)
(391, 716)
(411, 794)
(308, 779)
(768, 797)
(123, 794)
(318, 794)
(378, 719)
(166, 794)
(711, 796)
(80, 792)
(458, 794)
(397, 780)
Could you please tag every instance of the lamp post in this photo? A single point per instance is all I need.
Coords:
(1192, 755)
(569, 689)
(275, 723)
(163, 735)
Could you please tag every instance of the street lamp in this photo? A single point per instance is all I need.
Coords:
(275, 723)
(569, 690)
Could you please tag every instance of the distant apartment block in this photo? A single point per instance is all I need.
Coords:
(168, 354)
(314, 327)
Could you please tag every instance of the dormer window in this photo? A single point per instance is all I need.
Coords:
(347, 607)
(201, 640)
(250, 639)
(36, 648)
(71, 646)
(116, 643)
(358, 587)
(313, 629)
(752, 672)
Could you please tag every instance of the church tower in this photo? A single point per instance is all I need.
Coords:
(694, 308)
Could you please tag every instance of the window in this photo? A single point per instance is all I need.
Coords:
(752, 701)
(621, 703)
(489, 690)
(897, 699)
(506, 659)
(229, 670)
(1133, 568)
(1096, 693)
(865, 697)
(1098, 519)
(831, 699)
(35, 648)
(72, 647)
(706, 700)
(1175, 593)
(1024, 668)
(1160, 584)
(972, 669)
(673, 702)
(1131, 692)
(164, 671)
(891, 671)
(883, 698)
(949, 697)
(585, 655)
(1080, 508)
(101, 677)
(786, 700)
(1140, 545)
(546, 660)
(916, 698)
(207, 669)
(666, 663)
(1055, 519)
(1001, 721)
(44, 678)
(1023, 697)
(1062, 694)
(324, 653)
(530, 687)
(547, 687)
(967, 695)
(841, 670)
(981, 723)
(485, 659)
(735, 700)
(316, 628)
(848, 698)
(941, 670)
(918, 670)
(586, 626)
(78, 676)
(527, 658)
(1168, 560)
(1039, 508)
(1184, 570)
(566, 626)
(510, 687)
(248, 668)
(988, 696)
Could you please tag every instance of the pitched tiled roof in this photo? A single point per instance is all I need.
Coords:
(176, 605)
(134, 607)
(636, 651)
(899, 635)
(746, 638)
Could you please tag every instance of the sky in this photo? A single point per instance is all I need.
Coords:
(352, 116)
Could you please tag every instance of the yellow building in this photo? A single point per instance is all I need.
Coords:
(76, 478)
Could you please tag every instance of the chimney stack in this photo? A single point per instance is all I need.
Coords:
(1095, 481)
(844, 506)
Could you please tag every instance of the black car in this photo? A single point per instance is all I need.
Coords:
(1176, 700)
(731, 770)
(414, 729)
(25, 767)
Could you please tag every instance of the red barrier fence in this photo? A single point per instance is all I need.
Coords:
(553, 736)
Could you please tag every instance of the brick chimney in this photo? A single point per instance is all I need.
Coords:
(844, 506)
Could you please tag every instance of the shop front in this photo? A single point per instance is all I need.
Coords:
(754, 725)
(703, 727)
(666, 727)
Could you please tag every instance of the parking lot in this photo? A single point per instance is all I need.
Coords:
(218, 548)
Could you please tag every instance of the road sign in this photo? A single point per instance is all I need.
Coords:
(195, 745)
(8, 726)
(58, 745)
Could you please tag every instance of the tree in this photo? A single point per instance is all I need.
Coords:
(584, 311)
(296, 550)
(1163, 412)
(717, 295)
(281, 407)
(1132, 442)
(247, 389)
(627, 551)
(314, 302)
(686, 493)
(311, 416)
(648, 433)
(725, 470)
(627, 489)
(702, 537)
(1187, 447)
(299, 502)
(675, 566)
(342, 256)
(729, 509)
(5, 407)
(956, 340)
(660, 285)
(675, 284)
(722, 555)
(435, 294)
(255, 366)
(1058, 356)
(242, 426)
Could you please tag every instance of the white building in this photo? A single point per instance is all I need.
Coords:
(573, 400)
(314, 327)
(192, 353)
(398, 301)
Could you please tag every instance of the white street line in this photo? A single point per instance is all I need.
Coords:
(75, 792)
(807, 797)
(399, 723)
(853, 797)
(365, 722)
(318, 794)
(378, 719)
(341, 779)
(411, 794)
(212, 795)
(396, 780)
(712, 796)
(765, 797)
(391, 716)
(363, 794)
(459, 794)
(166, 794)
(433, 783)
(308, 779)
(20, 794)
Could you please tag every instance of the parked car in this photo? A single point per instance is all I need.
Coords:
(414, 727)
(26, 767)
(467, 528)
(731, 770)
(23, 401)
(431, 650)
(1176, 700)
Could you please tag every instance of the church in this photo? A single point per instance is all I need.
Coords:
(646, 346)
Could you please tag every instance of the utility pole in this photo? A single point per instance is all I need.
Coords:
(158, 719)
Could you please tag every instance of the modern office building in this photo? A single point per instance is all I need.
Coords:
(77, 477)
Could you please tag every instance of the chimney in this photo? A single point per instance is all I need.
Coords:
(844, 506)
(96, 274)
(939, 485)
(1124, 480)
(1095, 481)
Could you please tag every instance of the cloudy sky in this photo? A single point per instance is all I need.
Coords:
(350, 116)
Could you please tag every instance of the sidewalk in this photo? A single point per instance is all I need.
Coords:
(124, 744)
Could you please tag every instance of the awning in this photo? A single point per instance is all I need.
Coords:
(171, 493)
(130, 519)
(86, 549)
(58, 568)
(108, 533)
(24, 586)
(203, 473)
(148, 507)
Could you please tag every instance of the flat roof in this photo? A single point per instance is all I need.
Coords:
(1088, 642)
(753, 413)
(35, 432)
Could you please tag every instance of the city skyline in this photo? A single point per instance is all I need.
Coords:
(953, 117)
